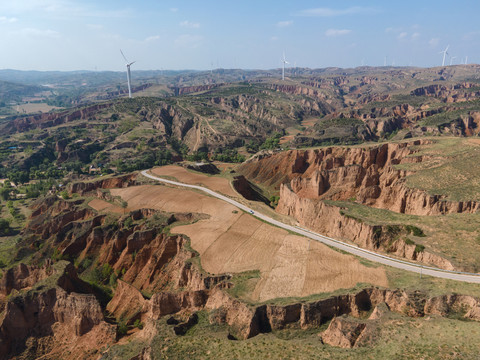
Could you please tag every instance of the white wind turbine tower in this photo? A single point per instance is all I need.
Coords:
(284, 61)
(129, 79)
(445, 53)
(451, 60)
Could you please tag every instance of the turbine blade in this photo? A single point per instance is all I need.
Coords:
(123, 56)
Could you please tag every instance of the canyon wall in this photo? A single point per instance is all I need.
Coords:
(366, 174)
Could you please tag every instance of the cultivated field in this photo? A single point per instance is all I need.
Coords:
(102, 205)
(217, 184)
(231, 241)
(34, 108)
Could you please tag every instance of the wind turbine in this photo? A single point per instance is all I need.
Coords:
(445, 53)
(284, 61)
(129, 80)
(451, 60)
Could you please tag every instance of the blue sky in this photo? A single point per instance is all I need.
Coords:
(199, 34)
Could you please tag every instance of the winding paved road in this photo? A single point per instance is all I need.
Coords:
(352, 249)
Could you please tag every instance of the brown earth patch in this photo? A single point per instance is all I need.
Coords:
(231, 241)
(218, 184)
(102, 205)
(309, 122)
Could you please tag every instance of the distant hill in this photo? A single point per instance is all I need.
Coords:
(10, 91)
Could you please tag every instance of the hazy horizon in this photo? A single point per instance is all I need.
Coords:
(73, 35)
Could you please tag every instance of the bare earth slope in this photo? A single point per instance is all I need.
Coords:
(234, 242)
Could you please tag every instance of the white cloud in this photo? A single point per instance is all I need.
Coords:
(189, 41)
(32, 32)
(329, 12)
(4, 19)
(282, 24)
(152, 38)
(402, 35)
(189, 24)
(173, 9)
(471, 36)
(95, 26)
(434, 42)
(337, 32)
(390, 30)
(415, 35)
(274, 38)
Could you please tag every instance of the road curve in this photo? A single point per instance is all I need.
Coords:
(352, 249)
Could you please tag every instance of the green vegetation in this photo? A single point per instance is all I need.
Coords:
(396, 337)
(450, 169)
(228, 155)
(244, 283)
(4, 227)
(416, 231)
(274, 199)
(272, 142)
(419, 248)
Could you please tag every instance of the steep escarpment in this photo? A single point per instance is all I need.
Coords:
(315, 185)
(449, 93)
(246, 321)
(110, 183)
(332, 221)
(366, 174)
(58, 318)
(46, 120)
(134, 244)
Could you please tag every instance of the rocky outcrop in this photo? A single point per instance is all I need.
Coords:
(194, 89)
(23, 276)
(246, 321)
(45, 120)
(343, 332)
(109, 183)
(366, 174)
(58, 310)
(332, 221)
(449, 93)
(127, 303)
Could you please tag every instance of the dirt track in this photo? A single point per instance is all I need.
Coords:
(232, 241)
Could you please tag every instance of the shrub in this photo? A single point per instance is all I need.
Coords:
(113, 280)
(393, 230)
(138, 324)
(274, 200)
(419, 248)
(4, 227)
(409, 242)
(128, 223)
(122, 328)
(107, 271)
(64, 194)
(416, 231)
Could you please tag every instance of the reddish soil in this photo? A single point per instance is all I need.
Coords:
(218, 184)
(231, 241)
(102, 205)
